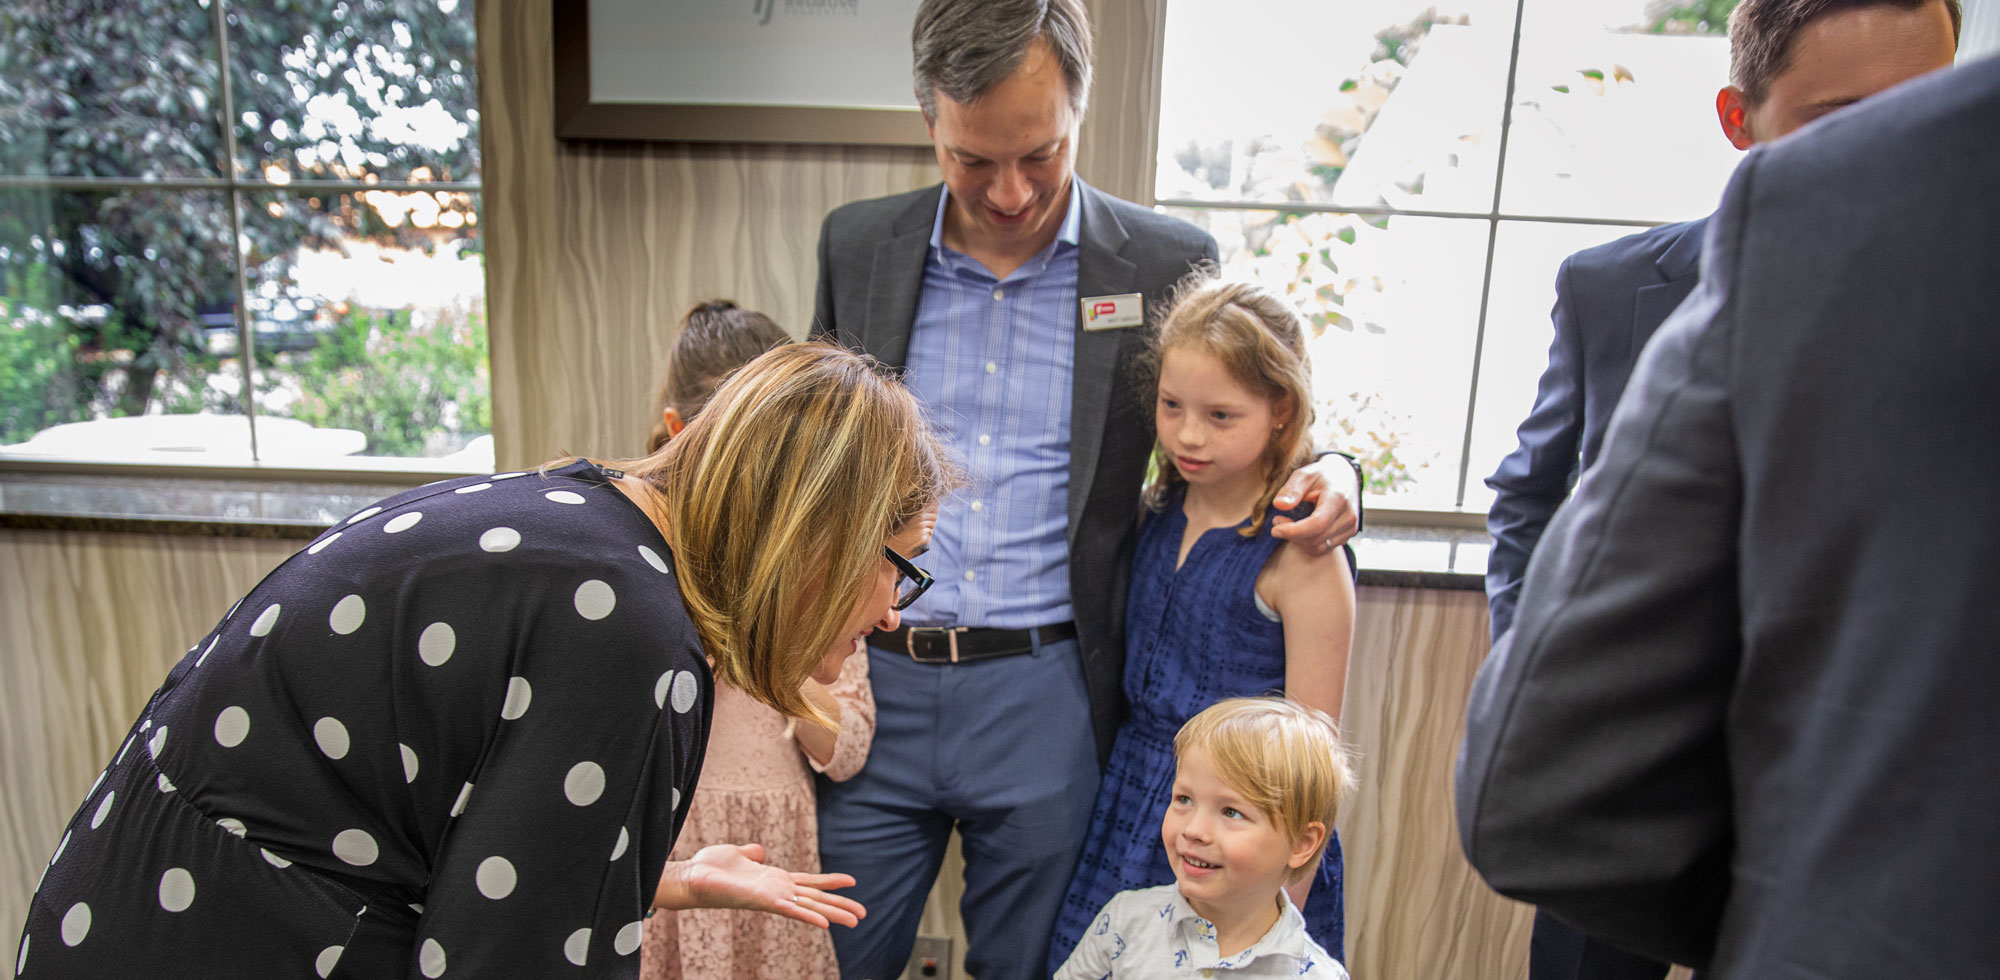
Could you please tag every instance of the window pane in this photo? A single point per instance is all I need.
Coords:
(1518, 333)
(370, 317)
(1395, 301)
(116, 336)
(331, 90)
(109, 88)
(1611, 122)
(1361, 104)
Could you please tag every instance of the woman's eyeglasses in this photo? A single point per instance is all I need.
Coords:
(911, 581)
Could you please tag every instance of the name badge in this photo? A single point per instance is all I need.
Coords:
(1113, 312)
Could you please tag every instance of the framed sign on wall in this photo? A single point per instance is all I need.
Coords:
(784, 71)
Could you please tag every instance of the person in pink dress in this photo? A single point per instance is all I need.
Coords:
(756, 785)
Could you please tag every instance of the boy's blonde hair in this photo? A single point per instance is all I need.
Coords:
(1285, 759)
(1260, 340)
(776, 500)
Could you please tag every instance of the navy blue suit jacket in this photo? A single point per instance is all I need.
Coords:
(1609, 300)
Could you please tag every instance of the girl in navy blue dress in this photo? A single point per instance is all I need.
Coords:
(1218, 607)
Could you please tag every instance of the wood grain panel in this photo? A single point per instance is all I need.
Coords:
(89, 625)
(594, 249)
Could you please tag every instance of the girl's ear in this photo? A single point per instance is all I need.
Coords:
(1305, 844)
(1283, 411)
(675, 423)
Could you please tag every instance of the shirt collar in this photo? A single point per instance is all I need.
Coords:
(1070, 232)
(1286, 937)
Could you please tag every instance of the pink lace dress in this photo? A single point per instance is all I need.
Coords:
(756, 789)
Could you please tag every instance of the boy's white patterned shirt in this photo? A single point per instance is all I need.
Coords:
(1153, 934)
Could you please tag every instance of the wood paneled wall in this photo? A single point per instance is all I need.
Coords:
(90, 623)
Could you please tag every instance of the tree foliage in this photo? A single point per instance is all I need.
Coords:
(134, 277)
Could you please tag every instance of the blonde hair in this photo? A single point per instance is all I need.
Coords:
(1285, 758)
(777, 498)
(716, 337)
(1260, 340)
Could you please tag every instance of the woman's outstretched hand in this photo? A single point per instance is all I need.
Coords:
(734, 876)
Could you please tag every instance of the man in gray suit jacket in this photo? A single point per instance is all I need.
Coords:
(1744, 717)
(1017, 297)
(1791, 61)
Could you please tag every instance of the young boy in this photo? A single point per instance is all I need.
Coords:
(1256, 787)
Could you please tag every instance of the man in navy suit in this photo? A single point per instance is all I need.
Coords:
(1744, 719)
(1791, 61)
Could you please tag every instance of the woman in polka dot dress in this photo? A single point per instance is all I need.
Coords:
(454, 736)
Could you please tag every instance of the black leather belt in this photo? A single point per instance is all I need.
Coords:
(959, 644)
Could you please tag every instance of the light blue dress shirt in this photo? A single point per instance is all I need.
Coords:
(1154, 934)
(993, 360)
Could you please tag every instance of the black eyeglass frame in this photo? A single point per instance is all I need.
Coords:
(909, 571)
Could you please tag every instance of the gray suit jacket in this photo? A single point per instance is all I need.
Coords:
(1745, 718)
(871, 258)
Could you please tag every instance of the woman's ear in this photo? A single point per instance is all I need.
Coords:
(672, 417)
(1306, 844)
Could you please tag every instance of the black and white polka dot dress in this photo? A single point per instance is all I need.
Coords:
(450, 738)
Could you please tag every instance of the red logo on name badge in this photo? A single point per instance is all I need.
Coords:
(1103, 309)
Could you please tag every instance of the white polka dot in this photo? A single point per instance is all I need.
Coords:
(576, 948)
(232, 726)
(627, 940)
(475, 488)
(148, 723)
(519, 693)
(495, 877)
(273, 860)
(332, 737)
(198, 661)
(123, 749)
(686, 690)
(364, 515)
(403, 522)
(624, 841)
(324, 963)
(265, 620)
(356, 848)
(409, 763)
(21, 963)
(594, 599)
(500, 539)
(347, 615)
(317, 546)
(232, 825)
(165, 786)
(505, 476)
(157, 742)
(176, 890)
(100, 782)
(676, 804)
(584, 784)
(437, 643)
(653, 558)
(430, 959)
(464, 794)
(660, 689)
(76, 924)
(59, 848)
(414, 907)
(564, 496)
(103, 810)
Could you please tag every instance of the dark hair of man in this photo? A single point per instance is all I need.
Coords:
(964, 48)
(716, 338)
(1762, 33)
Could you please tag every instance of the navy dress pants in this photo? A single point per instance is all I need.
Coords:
(1002, 751)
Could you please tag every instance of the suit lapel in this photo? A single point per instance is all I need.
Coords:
(896, 279)
(1101, 271)
(1679, 268)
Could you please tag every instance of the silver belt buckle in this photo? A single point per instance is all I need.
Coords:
(951, 641)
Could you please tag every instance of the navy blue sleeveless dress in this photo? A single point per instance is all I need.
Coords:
(1192, 637)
